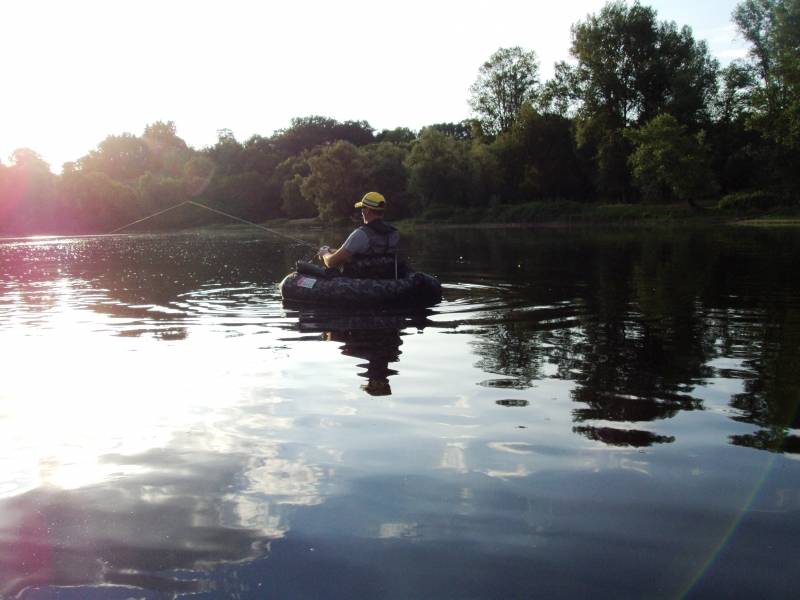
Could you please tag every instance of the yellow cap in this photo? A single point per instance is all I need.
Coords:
(372, 200)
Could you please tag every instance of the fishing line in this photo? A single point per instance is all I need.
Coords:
(220, 212)
(161, 212)
(234, 217)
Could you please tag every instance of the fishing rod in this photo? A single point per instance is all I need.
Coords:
(220, 212)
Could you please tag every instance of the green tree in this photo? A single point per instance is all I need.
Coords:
(285, 187)
(261, 155)
(197, 174)
(169, 152)
(669, 163)
(559, 95)
(308, 132)
(294, 204)
(440, 171)
(386, 172)
(93, 202)
(540, 160)
(398, 135)
(486, 175)
(337, 179)
(505, 82)
(464, 130)
(157, 192)
(630, 68)
(244, 195)
(735, 94)
(735, 146)
(227, 153)
(772, 27)
(123, 157)
(27, 194)
(29, 160)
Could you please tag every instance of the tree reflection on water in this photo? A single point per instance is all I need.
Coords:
(637, 321)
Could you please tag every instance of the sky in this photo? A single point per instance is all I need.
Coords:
(75, 71)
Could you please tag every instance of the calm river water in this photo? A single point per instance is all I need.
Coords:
(606, 414)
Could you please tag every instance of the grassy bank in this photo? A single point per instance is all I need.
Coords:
(573, 213)
(565, 213)
(779, 217)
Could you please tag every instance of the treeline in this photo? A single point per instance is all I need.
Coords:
(640, 113)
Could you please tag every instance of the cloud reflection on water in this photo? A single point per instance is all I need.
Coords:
(167, 423)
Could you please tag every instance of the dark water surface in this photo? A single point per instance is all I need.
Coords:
(610, 414)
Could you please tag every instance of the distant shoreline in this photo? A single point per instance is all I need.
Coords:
(610, 215)
(559, 215)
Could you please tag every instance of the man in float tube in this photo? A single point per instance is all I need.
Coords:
(369, 252)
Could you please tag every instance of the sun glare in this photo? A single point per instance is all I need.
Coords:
(79, 395)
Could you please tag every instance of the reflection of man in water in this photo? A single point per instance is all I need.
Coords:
(379, 347)
(369, 251)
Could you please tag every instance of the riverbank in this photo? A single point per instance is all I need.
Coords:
(550, 214)
(565, 214)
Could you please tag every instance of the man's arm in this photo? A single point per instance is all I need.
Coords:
(335, 258)
(356, 242)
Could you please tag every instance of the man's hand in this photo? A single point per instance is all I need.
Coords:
(334, 258)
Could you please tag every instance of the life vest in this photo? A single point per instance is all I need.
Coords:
(379, 260)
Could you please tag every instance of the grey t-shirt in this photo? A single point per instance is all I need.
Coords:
(358, 242)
